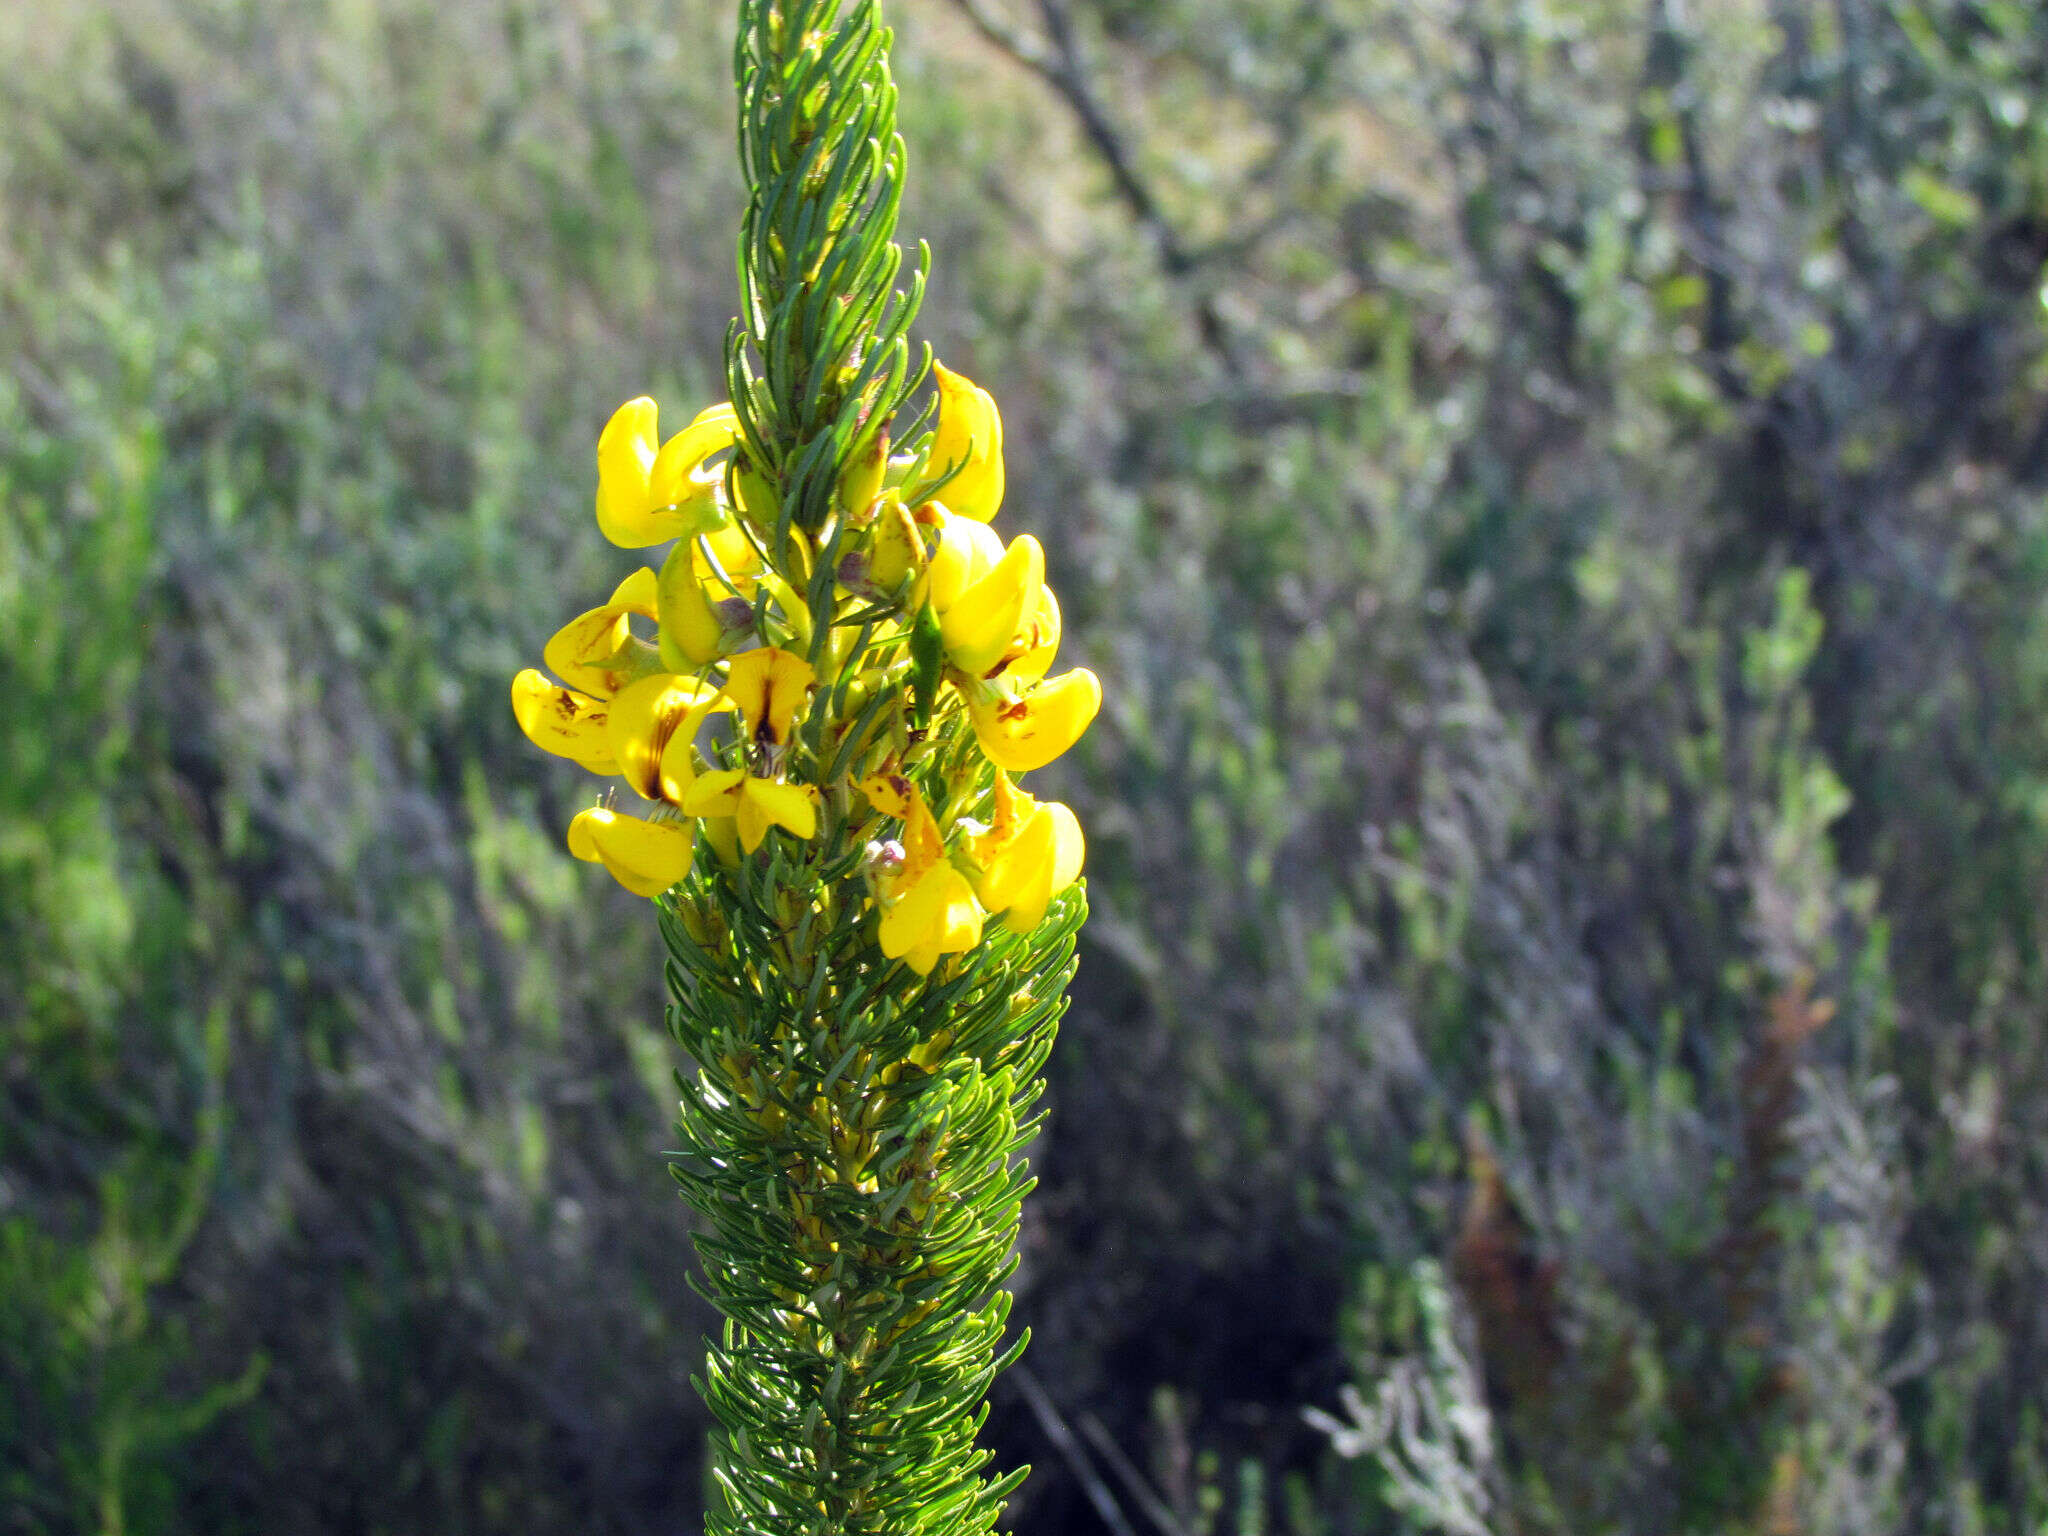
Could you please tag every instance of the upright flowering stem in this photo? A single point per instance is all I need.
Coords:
(825, 694)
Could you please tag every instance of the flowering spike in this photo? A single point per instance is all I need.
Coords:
(881, 657)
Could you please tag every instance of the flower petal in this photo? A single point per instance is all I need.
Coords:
(580, 648)
(771, 803)
(646, 857)
(647, 495)
(1019, 872)
(645, 717)
(637, 593)
(889, 793)
(1037, 642)
(582, 840)
(766, 803)
(677, 771)
(1041, 725)
(688, 626)
(1064, 850)
(792, 807)
(937, 910)
(966, 552)
(562, 721)
(716, 793)
(625, 456)
(674, 475)
(768, 685)
(735, 553)
(1070, 848)
(970, 434)
(980, 625)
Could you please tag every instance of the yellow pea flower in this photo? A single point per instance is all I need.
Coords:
(1032, 648)
(1031, 852)
(929, 908)
(969, 433)
(652, 725)
(755, 804)
(983, 620)
(562, 721)
(646, 857)
(597, 651)
(768, 686)
(986, 596)
(648, 495)
(965, 552)
(1032, 729)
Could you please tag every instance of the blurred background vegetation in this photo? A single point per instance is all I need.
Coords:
(1557, 491)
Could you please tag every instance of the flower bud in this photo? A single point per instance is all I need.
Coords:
(968, 444)
(861, 480)
(690, 629)
(897, 551)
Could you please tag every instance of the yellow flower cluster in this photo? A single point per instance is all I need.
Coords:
(878, 680)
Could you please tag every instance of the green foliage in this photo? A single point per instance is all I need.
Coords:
(857, 1160)
(818, 262)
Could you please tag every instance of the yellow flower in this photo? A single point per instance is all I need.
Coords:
(598, 651)
(988, 598)
(982, 620)
(768, 686)
(756, 804)
(652, 726)
(929, 908)
(562, 721)
(1030, 853)
(969, 434)
(646, 857)
(647, 495)
(965, 552)
(1032, 729)
(1033, 646)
